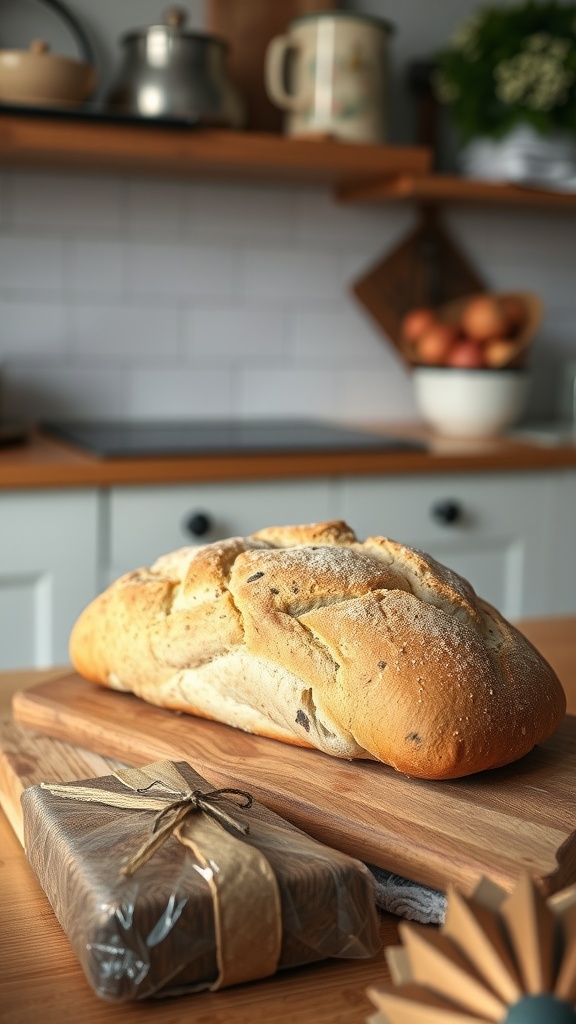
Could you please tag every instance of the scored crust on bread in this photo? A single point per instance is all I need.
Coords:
(307, 635)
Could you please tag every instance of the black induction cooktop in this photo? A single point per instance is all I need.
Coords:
(221, 437)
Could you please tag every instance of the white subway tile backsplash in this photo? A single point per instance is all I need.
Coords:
(94, 266)
(380, 394)
(3, 199)
(124, 332)
(179, 393)
(335, 335)
(555, 345)
(32, 328)
(235, 333)
(157, 207)
(243, 211)
(320, 217)
(288, 392)
(160, 269)
(554, 279)
(493, 234)
(65, 201)
(31, 263)
(291, 274)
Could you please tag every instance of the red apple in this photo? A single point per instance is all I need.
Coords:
(466, 355)
(499, 351)
(483, 318)
(416, 322)
(434, 346)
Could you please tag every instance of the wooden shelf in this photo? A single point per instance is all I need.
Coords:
(357, 172)
(71, 143)
(445, 188)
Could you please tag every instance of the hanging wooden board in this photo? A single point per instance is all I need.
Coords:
(248, 26)
(425, 269)
(495, 823)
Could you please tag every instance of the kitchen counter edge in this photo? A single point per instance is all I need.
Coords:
(44, 462)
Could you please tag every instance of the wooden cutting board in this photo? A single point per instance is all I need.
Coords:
(248, 26)
(522, 817)
(27, 759)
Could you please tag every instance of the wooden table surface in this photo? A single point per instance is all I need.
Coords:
(41, 981)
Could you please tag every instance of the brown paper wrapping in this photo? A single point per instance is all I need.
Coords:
(187, 918)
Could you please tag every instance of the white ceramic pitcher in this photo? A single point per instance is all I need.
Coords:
(336, 66)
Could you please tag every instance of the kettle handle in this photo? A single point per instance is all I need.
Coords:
(76, 31)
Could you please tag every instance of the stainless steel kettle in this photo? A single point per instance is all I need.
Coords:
(168, 72)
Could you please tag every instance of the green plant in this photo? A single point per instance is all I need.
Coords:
(509, 65)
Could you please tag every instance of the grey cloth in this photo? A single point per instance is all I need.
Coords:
(410, 900)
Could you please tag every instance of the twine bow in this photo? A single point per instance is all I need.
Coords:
(169, 818)
(171, 812)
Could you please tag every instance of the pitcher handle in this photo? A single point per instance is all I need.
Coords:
(276, 54)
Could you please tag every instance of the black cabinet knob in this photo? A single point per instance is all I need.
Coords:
(198, 524)
(446, 512)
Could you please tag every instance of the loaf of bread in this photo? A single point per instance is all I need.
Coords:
(305, 634)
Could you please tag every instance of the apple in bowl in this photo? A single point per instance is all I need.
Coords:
(469, 361)
(483, 331)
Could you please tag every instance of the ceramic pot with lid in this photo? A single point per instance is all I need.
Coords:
(36, 77)
(168, 72)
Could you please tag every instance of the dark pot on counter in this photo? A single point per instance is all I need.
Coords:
(168, 72)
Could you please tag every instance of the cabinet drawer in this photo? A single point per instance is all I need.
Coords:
(494, 530)
(145, 522)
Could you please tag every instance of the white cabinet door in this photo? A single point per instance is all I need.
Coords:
(48, 572)
(145, 522)
(563, 552)
(494, 529)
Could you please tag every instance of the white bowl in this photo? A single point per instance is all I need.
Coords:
(470, 403)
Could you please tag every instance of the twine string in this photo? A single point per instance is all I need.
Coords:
(170, 813)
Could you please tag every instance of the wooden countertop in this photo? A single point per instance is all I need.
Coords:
(42, 979)
(44, 462)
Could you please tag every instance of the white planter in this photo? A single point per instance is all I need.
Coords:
(523, 157)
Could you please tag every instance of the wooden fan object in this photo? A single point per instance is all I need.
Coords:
(498, 957)
(426, 269)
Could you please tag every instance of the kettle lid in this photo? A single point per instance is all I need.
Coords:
(173, 26)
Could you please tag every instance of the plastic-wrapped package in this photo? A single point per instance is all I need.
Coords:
(206, 903)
